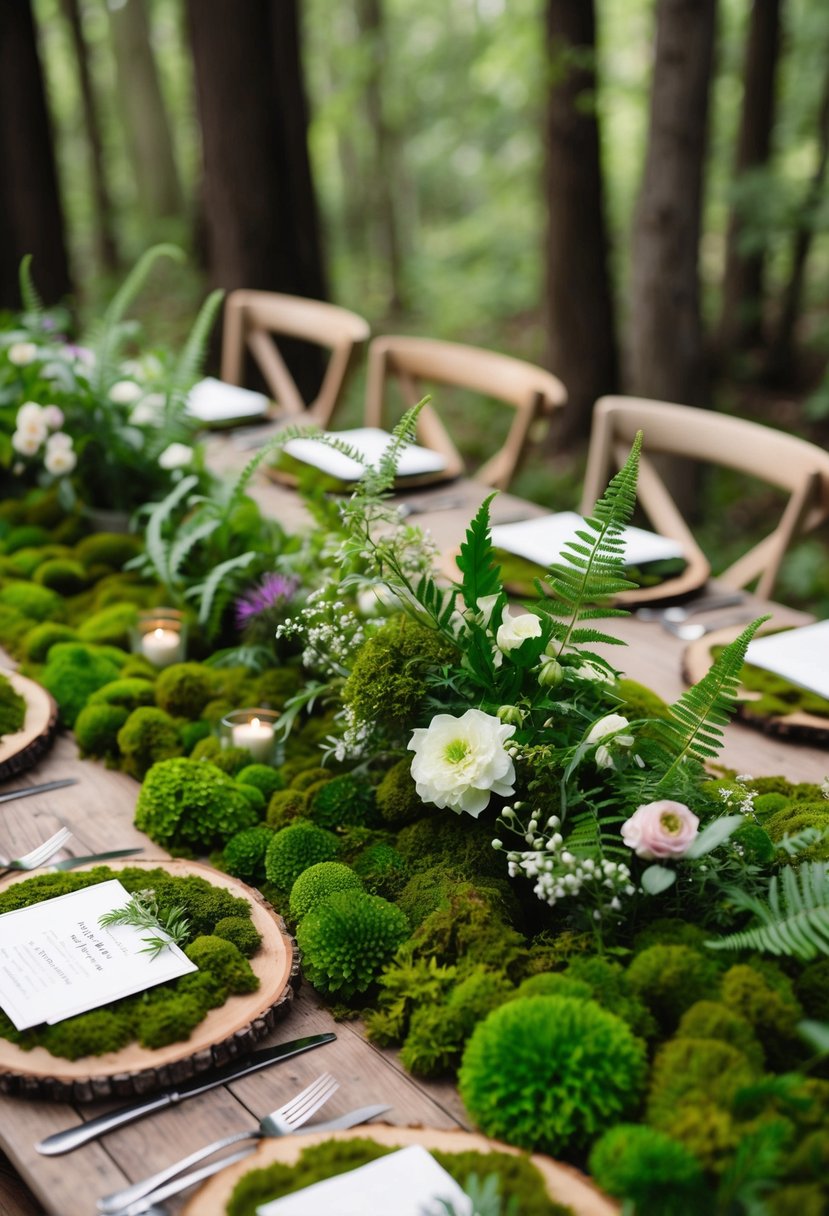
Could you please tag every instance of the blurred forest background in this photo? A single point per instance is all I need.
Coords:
(632, 192)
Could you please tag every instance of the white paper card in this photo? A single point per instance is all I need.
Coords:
(799, 655)
(371, 442)
(541, 540)
(405, 1183)
(57, 961)
(212, 400)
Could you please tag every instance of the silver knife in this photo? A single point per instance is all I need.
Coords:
(69, 863)
(352, 1119)
(73, 1137)
(10, 795)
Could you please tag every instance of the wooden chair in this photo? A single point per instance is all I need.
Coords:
(773, 456)
(417, 363)
(250, 320)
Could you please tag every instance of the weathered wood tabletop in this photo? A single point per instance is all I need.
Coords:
(99, 810)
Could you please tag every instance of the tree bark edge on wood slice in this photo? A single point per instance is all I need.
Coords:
(223, 1035)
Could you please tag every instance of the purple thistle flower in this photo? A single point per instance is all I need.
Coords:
(272, 592)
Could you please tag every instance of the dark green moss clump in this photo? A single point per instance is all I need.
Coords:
(74, 670)
(191, 804)
(244, 853)
(669, 979)
(39, 640)
(649, 1169)
(130, 692)
(294, 849)
(148, 736)
(111, 626)
(265, 778)
(318, 882)
(347, 939)
(398, 801)
(12, 708)
(342, 800)
(242, 932)
(184, 689)
(97, 727)
(63, 575)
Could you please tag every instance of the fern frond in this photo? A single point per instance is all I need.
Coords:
(155, 545)
(29, 294)
(212, 596)
(794, 921)
(476, 560)
(187, 537)
(382, 479)
(190, 360)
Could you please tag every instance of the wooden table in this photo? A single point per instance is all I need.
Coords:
(99, 810)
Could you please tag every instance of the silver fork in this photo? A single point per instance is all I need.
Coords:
(36, 857)
(280, 1122)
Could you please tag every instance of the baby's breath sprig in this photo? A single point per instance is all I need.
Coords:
(141, 912)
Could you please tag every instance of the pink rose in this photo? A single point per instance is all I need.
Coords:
(660, 829)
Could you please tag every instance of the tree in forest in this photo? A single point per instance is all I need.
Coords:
(260, 210)
(579, 326)
(31, 217)
(742, 292)
(667, 359)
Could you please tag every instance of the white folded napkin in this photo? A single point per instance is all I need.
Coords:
(212, 400)
(541, 540)
(405, 1183)
(798, 655)
(371, 442)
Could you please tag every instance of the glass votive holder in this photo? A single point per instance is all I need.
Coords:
(160, 635)
(253, 729)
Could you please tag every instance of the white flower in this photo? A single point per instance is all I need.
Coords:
(145, 413)
(24, 443)
(29, 412)
(21, 353)
(608, 727)
(591, 671)
(460, 762)
(514, 630)
(53, 417)
(59, 460)
(176, 456)
(124, 392)
(485, 604)
(59, 440)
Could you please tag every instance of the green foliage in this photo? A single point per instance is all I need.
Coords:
(97, 727)
(224, 962)
(794, 920)
(295, 848)
(73, 671)
(438, 1032)
(112, 549)
(39, 640)
(344, 800)
(346, 940)
(613, 990)
(37, 603)
(244, 853)
(383, 870)
(147, 737)
(318, 882)
(12, 708)
(549, 1072)
(187, 803)
(691, 1072)
(398, 802)
(712, 1020)
(128, 692)
(184, 689)
(285, 806)
(111, 626)
(669, 979)
(765, 998)
(241, 932)
(265, 778)
(64, 576)
(646, 1167)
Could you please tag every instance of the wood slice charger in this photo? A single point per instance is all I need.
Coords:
(23, 749)
(565, 1185)
(798, 725)
(225, 1033)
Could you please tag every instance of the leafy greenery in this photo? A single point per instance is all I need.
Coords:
(142, 912)
(794, 919)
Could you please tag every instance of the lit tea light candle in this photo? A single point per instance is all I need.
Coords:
(162, 647)
(256, 736)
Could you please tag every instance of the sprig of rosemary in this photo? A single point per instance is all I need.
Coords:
(142, 912)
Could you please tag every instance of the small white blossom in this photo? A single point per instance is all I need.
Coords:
(176, 456)
(59, 461)
(514, 630)
(21, 353)
(25, 444)
(124, 392)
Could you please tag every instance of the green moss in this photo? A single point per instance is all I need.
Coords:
(39, 640)
(767, 804)
(216, 709)
(795, 818)
(766, 1000)
(756, 843)
(107, 549)
(170, 1021)
(445, 840)
(309, 775)
(318, 882)
(612, 990)
(74, 671)
(812, 988)
(12, 708)
(690, 1072)
(648, 1169)
(471, 924)
(89, 1034)
(129, 692)
(347, 799)
(230, 760)
(242, 932)
(382, 869)
(669, 979)
(148, 736)
(110, 626)
(13, 628)
(293, 849)
(639, 701)
(36, 603)
(26, 536)
(224, 962)
(254, 796)
(284, 807)
(273, 687)
(712, 1020)
(193, 733)
(62, 575)
(778, 697)
(97, 727)
(670, 931)
(191, 803)
(387, 679)
(550, 1072)
(184, 689)
(398, 802)
(347, 939)
(553, 983)
(244, 853)
(265, 778)
(438, 1032)
(803, 1199)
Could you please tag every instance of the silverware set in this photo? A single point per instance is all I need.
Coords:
(676, 618)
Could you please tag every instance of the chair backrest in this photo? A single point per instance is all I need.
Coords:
(418, 363)
(251, 319)
(772, 456)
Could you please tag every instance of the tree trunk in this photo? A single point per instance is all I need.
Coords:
(31, 217)
(781, 355)
(741, 322)
(259, 204)
(581, 342)
(666, 346)
(144, 113)
(384, 170)
(104, 232)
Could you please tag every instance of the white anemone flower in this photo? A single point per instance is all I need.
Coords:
(24, 443)
(176, 456)
(609, 727)
(124, 392)
(514, 630)
(460, 762)
(60, 460)
(59, 439)
(21, 353)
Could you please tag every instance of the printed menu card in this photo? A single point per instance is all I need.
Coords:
(57, 961)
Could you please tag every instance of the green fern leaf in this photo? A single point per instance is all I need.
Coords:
(29, 295)
(191, 358)
(212, 596)
(476, 560)
(155, 545)
(794, 921)
(186, 539)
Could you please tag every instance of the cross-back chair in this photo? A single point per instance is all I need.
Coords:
(252, 318)
(418, 363)
(772, 456)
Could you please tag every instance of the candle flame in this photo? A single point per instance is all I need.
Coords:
(254, 723)
(159, 633)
